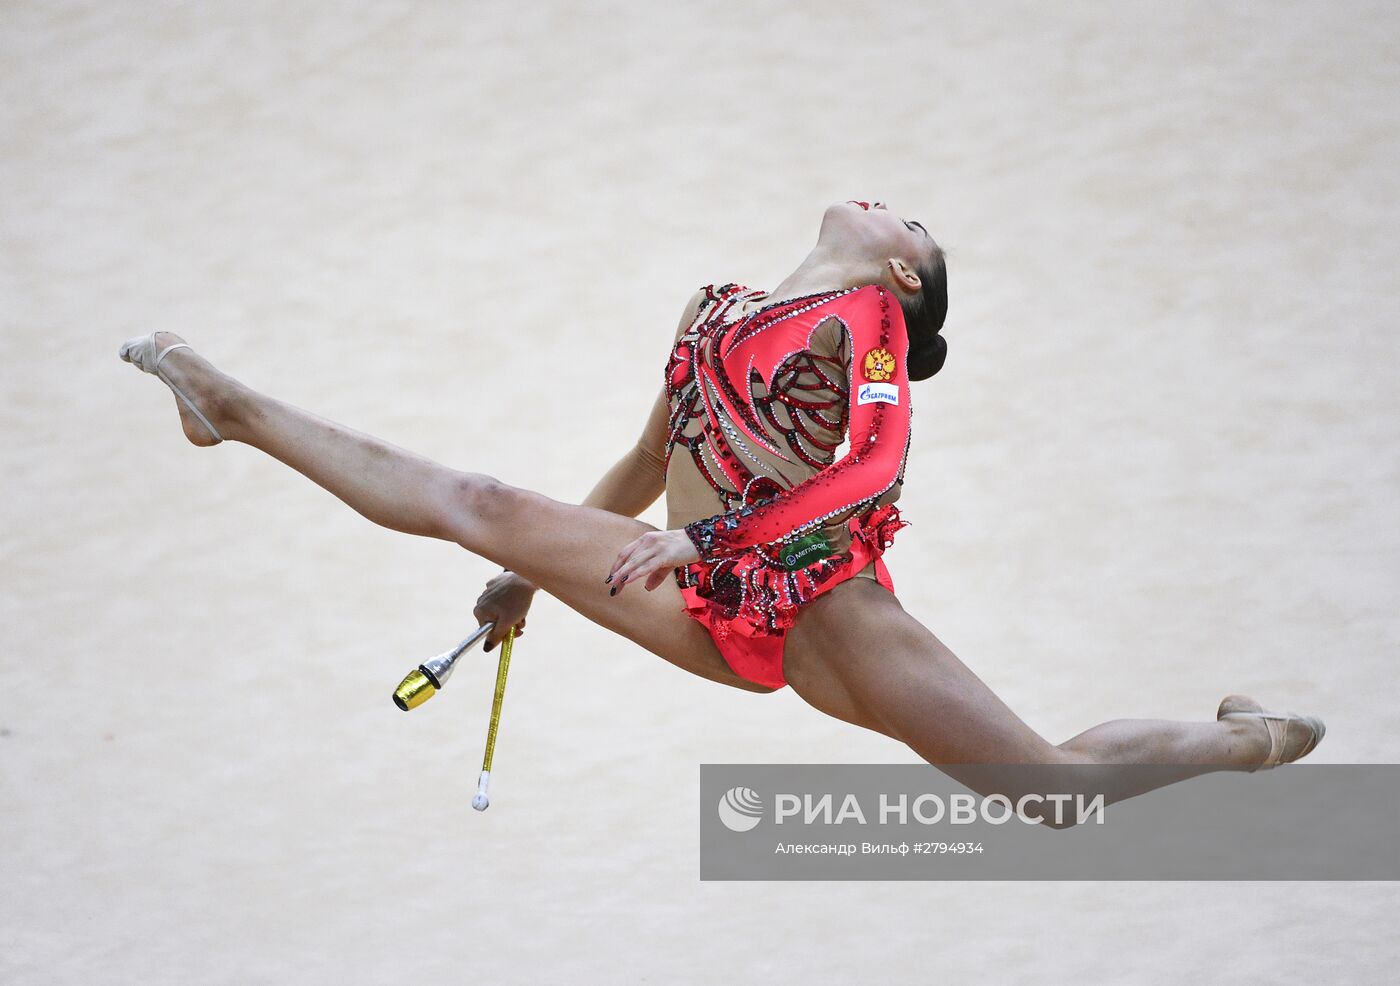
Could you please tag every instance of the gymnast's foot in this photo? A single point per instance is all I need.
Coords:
(1271, 738)
(202, 393)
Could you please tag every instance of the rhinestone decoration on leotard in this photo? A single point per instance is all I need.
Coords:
(697, 356)
(795, 409)
(730, 535)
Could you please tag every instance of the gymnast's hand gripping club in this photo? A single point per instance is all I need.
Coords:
(424, 681)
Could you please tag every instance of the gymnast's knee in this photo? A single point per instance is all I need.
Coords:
(483, 507)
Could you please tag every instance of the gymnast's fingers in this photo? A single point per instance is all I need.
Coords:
(640, 563)
(622, 557)
(631, 557)
(619, 580)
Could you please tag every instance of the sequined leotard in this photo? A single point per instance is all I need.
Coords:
(759, 404)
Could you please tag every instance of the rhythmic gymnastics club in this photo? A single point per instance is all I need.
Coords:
(424, 681)
(481, 802)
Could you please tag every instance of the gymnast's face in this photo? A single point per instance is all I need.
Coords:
(878, 243)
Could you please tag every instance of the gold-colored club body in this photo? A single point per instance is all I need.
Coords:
(414, 690)
(426, 680)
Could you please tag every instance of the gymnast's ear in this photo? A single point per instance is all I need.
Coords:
(906, 278)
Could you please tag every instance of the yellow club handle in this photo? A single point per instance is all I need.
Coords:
(502, 669)
(482, 801)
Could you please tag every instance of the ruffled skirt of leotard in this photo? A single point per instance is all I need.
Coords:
(752, 593)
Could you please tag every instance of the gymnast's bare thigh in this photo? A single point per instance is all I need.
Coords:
(567, 551)
(837, 638)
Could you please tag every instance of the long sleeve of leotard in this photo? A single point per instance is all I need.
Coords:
(878, 429)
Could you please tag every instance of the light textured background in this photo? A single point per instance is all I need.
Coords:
(1160, 465)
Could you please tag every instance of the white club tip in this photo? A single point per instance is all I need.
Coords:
(483, 784)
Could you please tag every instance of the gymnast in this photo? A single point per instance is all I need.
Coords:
(769, 572)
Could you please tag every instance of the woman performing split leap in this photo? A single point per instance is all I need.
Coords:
(770, 572)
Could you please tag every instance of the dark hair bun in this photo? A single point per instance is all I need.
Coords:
(926, 357)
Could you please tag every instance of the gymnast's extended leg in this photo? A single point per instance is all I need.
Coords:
(856, 654)
(565, 549)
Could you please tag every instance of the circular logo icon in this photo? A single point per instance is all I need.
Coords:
(740, 809)
(879, 365)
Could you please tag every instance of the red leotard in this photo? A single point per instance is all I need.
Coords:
(761, 403)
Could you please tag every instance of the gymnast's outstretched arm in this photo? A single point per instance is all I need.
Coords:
(637, 479)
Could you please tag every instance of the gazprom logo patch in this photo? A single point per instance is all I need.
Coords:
(740, 809)
(877, 393)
